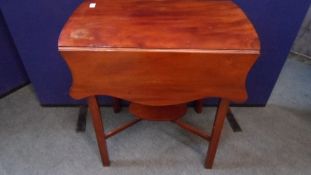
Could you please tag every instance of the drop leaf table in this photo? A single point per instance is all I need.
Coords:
(159, 55)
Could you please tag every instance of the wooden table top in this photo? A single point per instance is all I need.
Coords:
(159, 52)
(180, 25)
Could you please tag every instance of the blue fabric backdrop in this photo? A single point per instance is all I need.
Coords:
(12, 73)
(35, 26)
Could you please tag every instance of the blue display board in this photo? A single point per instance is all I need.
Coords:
(35, 26)
(12, 73)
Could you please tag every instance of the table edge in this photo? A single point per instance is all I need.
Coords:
(222, 51)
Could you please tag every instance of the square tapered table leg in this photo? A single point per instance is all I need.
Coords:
(198, 107)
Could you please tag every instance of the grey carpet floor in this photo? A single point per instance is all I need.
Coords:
(275, 139)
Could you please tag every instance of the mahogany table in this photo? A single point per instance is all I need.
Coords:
(159, 55)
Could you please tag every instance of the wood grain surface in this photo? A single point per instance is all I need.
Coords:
(160, 24)
(159, 78)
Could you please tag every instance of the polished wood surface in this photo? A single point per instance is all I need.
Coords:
(158, 113)
(121, 128)
(198, 106)
(99, 129)
(159, 55)
(192, 129)
(141, 76)
(116, 105)
(134, 48)
(160, 24)
(216, 132)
